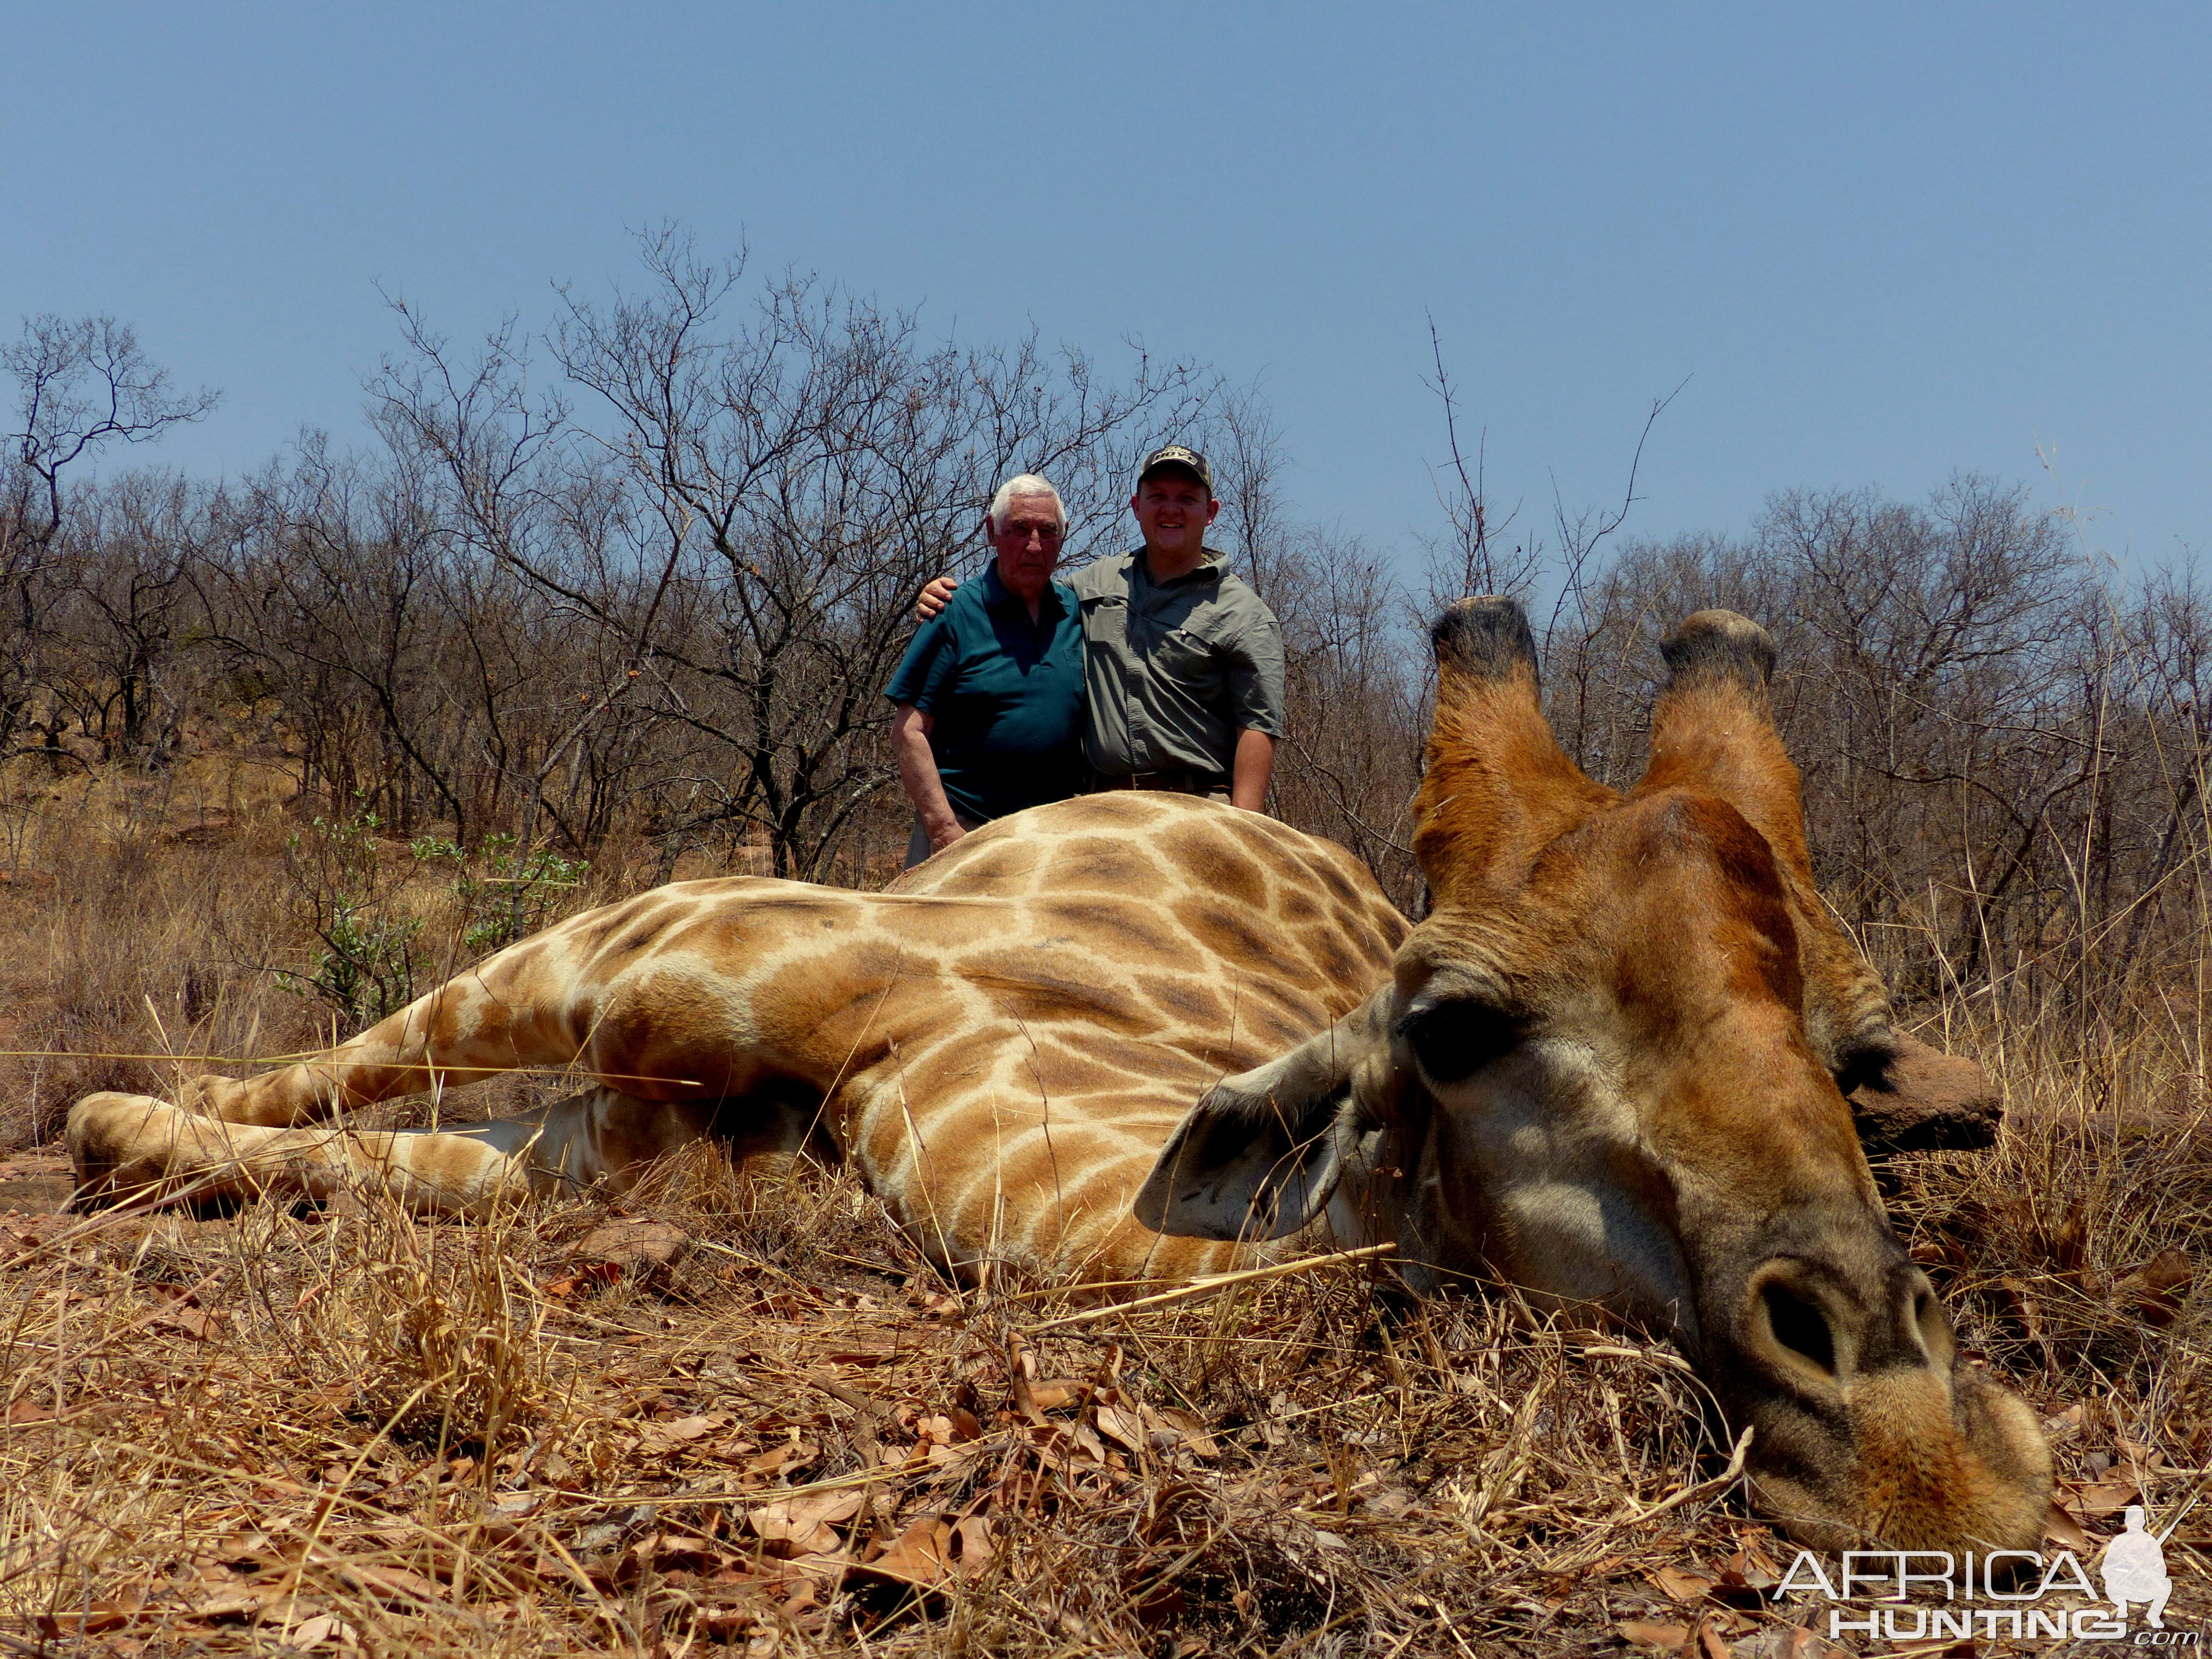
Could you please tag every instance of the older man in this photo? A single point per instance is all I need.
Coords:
(1182, 663)
(990, 693)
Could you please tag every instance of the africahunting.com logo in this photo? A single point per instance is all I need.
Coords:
(2011, 1593)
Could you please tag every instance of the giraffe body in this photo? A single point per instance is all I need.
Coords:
(1000, 1042)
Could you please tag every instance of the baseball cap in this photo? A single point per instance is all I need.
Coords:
(1177, 455)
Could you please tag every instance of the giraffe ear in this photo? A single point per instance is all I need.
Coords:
(1259, 1155)
(1906, 1096)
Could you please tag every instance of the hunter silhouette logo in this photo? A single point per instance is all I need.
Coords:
(2134, 1567)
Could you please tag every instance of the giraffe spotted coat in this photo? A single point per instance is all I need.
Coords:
(1000, 1042)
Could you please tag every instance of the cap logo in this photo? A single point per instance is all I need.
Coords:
(1177, 455)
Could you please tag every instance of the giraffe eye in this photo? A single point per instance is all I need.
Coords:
(1453, 1040)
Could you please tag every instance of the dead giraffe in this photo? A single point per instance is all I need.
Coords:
(1608, 1068)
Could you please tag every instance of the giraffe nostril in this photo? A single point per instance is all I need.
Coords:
(1934, 1327)
(1799, 1326)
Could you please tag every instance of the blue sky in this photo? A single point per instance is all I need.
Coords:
(1883, 243)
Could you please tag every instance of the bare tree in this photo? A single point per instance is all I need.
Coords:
(804, 473)
(1245, 449)
(1469, 556)
(1357, 695)
(81, 384)
(125, 598)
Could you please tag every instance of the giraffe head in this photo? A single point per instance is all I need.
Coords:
(1609, 1069)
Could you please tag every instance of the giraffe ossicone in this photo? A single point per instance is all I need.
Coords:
(1133, 1034)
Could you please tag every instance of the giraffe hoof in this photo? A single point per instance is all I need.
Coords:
(103, 1132)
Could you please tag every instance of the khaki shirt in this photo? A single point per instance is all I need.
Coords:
(1171, 673)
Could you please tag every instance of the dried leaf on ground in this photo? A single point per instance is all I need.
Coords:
(2154, 1291)
(806, 1524)
(930, 1552)
(1677, 1585)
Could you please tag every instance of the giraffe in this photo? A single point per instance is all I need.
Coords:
(1609, 1069)
(999, 1041)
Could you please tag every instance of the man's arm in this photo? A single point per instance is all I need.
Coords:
(1253, 765)
(1253, 656)
(918, 775)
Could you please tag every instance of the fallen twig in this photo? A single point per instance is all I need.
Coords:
(1215, 1282)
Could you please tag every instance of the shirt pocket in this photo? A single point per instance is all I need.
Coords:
(1185, 659)
(1106, 622)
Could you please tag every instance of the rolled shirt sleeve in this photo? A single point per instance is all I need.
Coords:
(1253, 655)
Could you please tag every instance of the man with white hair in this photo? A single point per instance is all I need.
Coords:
(990, 692)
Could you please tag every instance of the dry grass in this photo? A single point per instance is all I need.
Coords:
(232, 1433)
(347, 1431)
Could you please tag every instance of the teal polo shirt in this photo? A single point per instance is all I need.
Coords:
(1004, 694)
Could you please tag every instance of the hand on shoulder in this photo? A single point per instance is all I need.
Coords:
(935, 597)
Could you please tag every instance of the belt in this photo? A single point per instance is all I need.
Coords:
(1181, 780)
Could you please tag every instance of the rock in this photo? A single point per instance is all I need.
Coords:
(1926, 1101)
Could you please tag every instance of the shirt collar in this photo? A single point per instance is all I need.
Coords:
(1211, 565)
(997, 596)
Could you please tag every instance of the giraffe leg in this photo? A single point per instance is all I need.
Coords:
(597, 1134)
(227, 1138)
(503, 1015)
(132, 1146)
(600, 1134)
